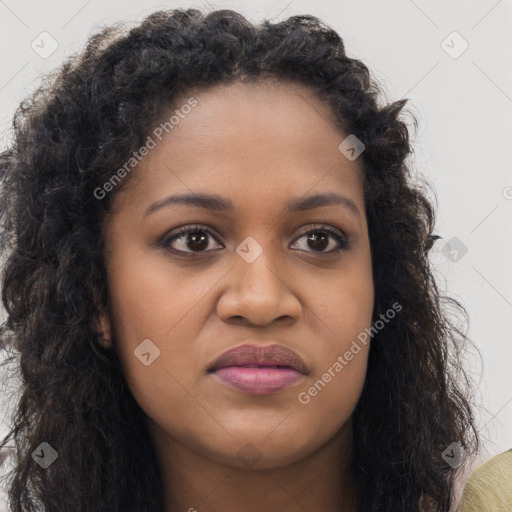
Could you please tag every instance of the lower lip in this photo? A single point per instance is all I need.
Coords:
(258, 380)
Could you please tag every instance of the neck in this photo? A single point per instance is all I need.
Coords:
(193, 482)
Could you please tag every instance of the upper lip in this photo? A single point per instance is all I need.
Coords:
(270, 355)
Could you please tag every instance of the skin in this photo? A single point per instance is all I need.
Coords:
(259, 146)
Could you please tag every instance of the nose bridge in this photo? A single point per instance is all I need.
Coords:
(259, 290)
(257, 268)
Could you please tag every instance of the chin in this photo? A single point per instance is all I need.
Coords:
(263, 452)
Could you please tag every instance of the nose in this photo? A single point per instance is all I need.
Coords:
(259, 293)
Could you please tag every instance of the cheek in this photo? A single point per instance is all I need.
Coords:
(149, 301)
(162, 375)
(327, 400)
(143, 307)
(343, 317)
(343, 307)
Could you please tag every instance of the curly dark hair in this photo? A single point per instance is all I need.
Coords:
(69, 137)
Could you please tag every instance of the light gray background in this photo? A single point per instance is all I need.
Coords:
(463, 144)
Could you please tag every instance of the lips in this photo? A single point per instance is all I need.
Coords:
(254, 356)
(259, 370)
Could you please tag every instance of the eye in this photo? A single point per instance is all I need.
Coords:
(318, 239)
(196, 239)
(192, 237)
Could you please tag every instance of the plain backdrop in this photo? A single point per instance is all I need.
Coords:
(452, 60)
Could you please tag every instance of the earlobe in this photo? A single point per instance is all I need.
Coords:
(101, 325)
(104, 340)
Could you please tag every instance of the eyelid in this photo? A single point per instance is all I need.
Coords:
(165, 241)
(323, 227)
(190, 228)
(332, 231)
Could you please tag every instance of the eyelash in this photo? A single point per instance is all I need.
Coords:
(194, 228)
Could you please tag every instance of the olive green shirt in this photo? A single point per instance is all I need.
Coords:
(489, 488)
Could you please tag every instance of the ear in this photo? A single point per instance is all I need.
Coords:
(100, 324)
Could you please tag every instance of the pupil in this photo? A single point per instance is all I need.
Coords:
(197, 241)
(313, 240)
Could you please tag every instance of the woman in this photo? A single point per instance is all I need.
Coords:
(217, 280)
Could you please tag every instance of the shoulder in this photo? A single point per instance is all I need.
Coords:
(490, 487)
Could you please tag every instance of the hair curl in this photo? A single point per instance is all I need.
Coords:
(70, 136)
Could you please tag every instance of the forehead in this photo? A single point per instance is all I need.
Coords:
(267, 118)
(240, 140)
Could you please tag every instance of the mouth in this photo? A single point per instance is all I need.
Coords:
(259, 380)
(259, 370)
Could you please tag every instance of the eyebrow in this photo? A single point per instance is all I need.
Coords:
(219, 203)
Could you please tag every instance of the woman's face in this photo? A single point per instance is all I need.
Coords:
(260, 270)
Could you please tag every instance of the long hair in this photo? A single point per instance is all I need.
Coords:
(72, 134)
